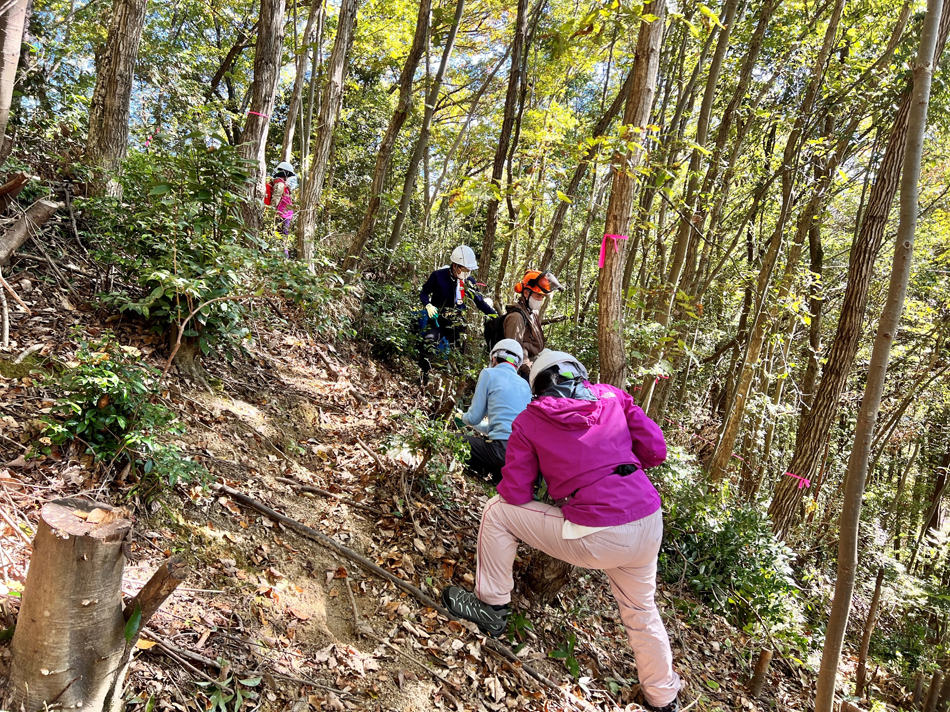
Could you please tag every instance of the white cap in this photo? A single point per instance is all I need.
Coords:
(285, 166)
(509, 347)
(562, 359)
(464, 255)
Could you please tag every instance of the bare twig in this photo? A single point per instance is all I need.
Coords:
(16, 296)
(372, 453)
(325, 493)
(15, 528)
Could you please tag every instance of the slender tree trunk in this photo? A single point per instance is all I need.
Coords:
(267, 55)
(819, 418)
(861, 676)
(385, 156)
(108, 137)
(849, 522)
(409, 185)
(329, 113)
(730, 429)
(294, 108)
(613, 361)
(501, 152)
(11, 38)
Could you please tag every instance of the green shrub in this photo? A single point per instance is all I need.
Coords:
(108, 403)
(724, 550)
(437, 449)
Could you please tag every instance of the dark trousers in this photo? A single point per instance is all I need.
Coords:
(488, 457)
(438, 340)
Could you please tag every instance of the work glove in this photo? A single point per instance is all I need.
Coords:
(489, 302)
(457, 419)
(431, 311)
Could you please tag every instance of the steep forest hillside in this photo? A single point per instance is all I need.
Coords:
(266, 266)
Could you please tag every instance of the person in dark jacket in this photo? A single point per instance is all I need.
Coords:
(443, 299)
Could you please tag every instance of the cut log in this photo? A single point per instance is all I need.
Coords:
(931, 704)
(26, 227)
(69, 645)
(918, 691)
(760, 673)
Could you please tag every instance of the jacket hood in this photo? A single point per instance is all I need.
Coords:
(569, 412)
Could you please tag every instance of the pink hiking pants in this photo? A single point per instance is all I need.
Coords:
(626, 553)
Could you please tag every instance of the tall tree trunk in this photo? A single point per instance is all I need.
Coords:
(501, 152)
(385, 156)
(11, 38)
(849, 522)
(294, 108)
(329, 113)
(817, 421)
(108, 137)
(267, 54)
(422, 143)
(613, 361)
(790, 157)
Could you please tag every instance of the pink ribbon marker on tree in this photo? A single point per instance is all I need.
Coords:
(603, 247)
(802, 481)
(257, 113)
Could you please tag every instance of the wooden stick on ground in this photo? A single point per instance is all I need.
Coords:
(313, 534)
(325, 493)
(153, 594)
(371, 453)
(13, 294)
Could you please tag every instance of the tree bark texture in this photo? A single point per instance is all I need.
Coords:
(267, 56)
(385, 156)
(69, 645)
(504, 139)
(613, 361)
(849, 521)
(294, 107)
(108, 137)
(329, 113)
(818, 420)
(11, 37)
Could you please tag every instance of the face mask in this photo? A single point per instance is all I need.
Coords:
(463, 273)
(292, 182)
(535, 303)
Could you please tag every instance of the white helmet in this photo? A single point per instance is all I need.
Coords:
(508, 347)
(464, 256)
(562, 359)
(286, 167)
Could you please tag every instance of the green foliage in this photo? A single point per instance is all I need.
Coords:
(565, 652)
(724, 550)
(180, 241)
(518, 623)
(429, 444)
(389, 321)
(230, 693)
(109, 403)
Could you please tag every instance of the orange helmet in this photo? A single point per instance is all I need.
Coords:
(542, 283)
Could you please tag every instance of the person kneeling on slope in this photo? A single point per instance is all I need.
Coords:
(591, 444)
(500, 396)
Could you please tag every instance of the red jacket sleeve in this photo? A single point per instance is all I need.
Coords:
(649, 445)
(521, 469)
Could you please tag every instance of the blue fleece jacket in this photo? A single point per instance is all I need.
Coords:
(501, 394)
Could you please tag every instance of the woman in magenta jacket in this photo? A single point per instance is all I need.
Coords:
(591, 444)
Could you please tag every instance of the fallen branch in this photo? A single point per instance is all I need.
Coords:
(359, 396)
(6, 285)
(52, 265)
(326, 362)
(371, 453)
(314, 535)
(62, 265)
(326, 493)
(153, 594)
(27, 353)
(25, 227)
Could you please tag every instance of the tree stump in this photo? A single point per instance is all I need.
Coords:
(760, 673)
(69, 648)
(931, 704)
(542, 576)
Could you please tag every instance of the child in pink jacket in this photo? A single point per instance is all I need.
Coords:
(591, 444)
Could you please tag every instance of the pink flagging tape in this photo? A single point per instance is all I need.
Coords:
(603, 247)
(257, 113)
(802, 481)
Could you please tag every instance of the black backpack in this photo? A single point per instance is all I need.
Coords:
(495, 326)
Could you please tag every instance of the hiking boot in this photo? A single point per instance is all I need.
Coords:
(674, 706)
(491, 620)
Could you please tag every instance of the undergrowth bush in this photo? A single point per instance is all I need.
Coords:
(428, 445)
(178, 240)
(725, 552)
(109, 404)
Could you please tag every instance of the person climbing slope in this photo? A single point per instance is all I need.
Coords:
(522, 321)
(278, 196)
(443, 299)
(500, 396)
(591, 444)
